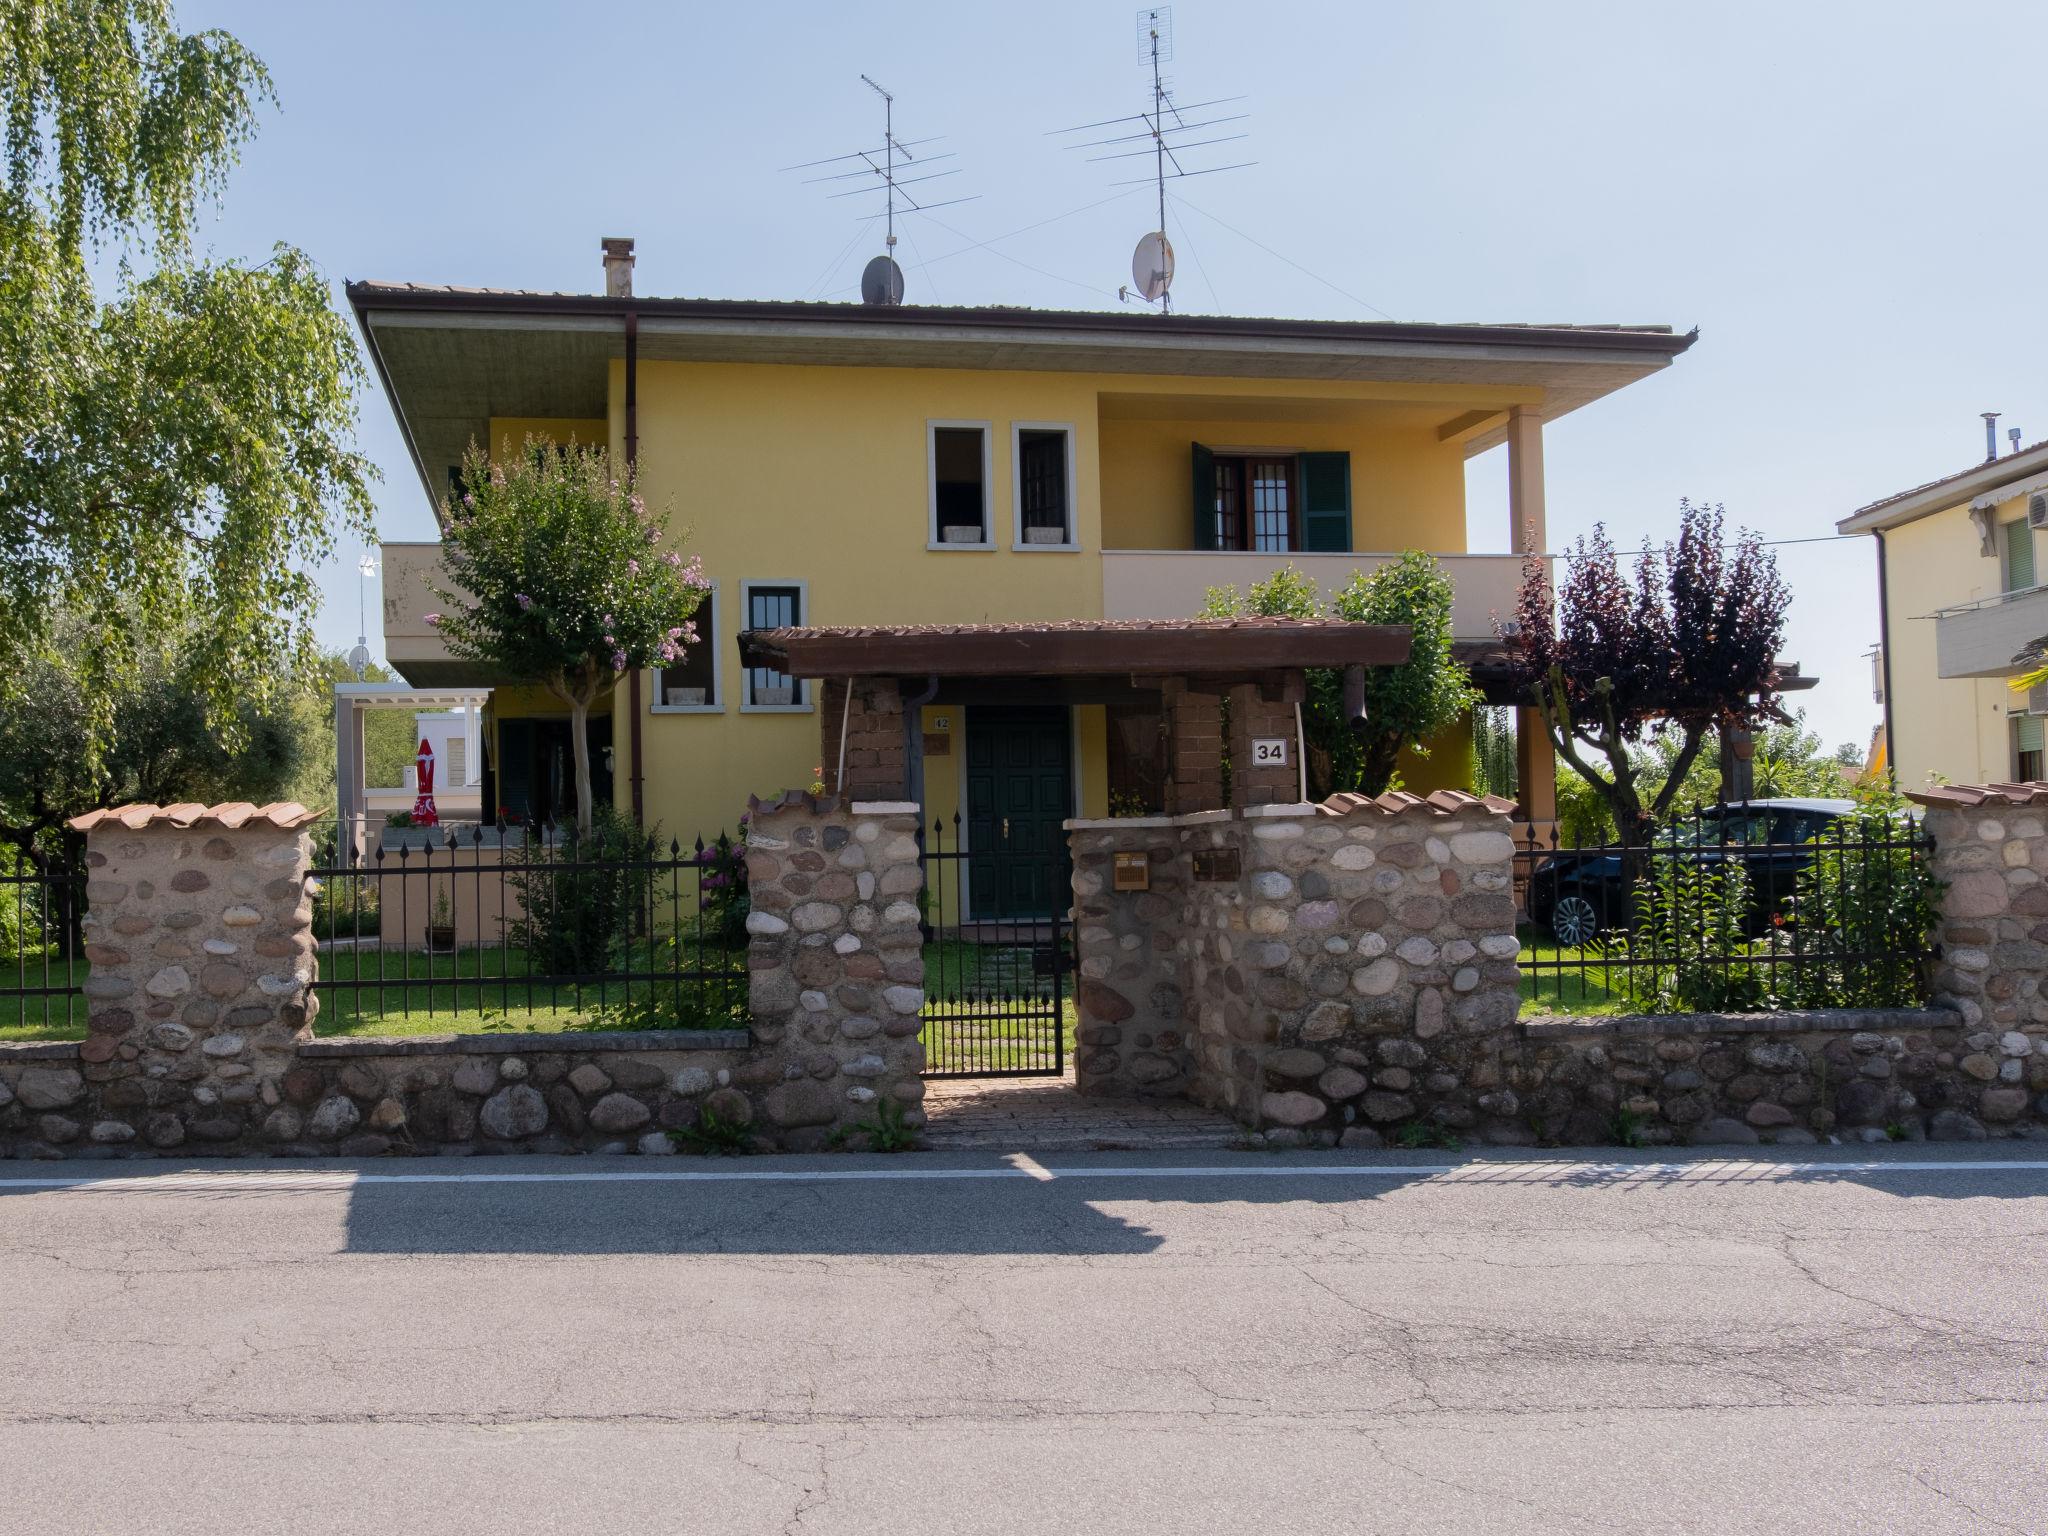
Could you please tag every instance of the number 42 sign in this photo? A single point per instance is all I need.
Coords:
(1269, 752)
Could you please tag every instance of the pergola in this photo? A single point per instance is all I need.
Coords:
(877, 677)
(351, 701)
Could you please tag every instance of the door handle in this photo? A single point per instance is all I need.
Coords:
(1006, 829)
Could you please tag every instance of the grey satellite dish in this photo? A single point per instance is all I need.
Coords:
(881, 282)
(1152, 267)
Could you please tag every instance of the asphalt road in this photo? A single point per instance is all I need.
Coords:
(1103, 1344)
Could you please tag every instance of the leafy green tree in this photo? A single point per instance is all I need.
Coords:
(558, 577)
(175, 437)
(1405, 705)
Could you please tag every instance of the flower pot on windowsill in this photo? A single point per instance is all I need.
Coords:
(684, 698)
(786, 694)
(1045, 535)
(959, 535)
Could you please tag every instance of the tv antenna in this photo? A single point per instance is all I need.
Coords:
(882, 169)
(1161, 134)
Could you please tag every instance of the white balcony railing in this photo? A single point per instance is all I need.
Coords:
(1174, 583)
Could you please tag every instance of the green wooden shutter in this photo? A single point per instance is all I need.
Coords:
(2019, 555)
(1205, 498)
(1326, 502)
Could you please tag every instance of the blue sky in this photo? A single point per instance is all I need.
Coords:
(1837, 196)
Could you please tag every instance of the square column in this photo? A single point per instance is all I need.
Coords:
(1528, 533)
(1254, 717)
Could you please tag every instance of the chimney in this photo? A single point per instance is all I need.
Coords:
(618, 267)
(1990, 434)
(2012, 440)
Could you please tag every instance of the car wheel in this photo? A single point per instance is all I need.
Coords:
(1575, 921)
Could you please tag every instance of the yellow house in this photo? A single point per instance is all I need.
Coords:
(851, 464)
(1963, 598)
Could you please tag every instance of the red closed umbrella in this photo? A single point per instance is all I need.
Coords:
(423, 812)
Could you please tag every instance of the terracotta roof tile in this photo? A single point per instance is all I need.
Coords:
(1967, 796)
(285, 815)
(1443, 802)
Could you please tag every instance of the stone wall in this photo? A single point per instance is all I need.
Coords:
(1132, 1035)
(200, 1041)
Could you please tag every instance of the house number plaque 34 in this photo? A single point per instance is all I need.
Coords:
(1269, 752)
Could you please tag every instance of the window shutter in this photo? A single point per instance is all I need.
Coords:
(2028, 733)
(1326, 502)
(2019, 556)
(1205, 498)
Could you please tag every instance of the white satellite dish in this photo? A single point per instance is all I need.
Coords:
(1152, 267)
(881, 282)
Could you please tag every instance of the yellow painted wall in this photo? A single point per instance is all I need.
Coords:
(1407, 488)
(560, 430)
(1957, 728)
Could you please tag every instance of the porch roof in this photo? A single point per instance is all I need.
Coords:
(1076, 648)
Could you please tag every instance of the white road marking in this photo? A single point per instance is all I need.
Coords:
(254, 1181)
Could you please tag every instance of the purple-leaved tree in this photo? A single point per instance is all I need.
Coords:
(1687, 646)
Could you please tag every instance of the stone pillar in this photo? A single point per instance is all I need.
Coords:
(876, 766)
(1129, 997)
(200, 938)
(1254, 717)
(1991, 853)
(1194, 749)
(835, 961)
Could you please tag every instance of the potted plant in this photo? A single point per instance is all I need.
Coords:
(441, 927)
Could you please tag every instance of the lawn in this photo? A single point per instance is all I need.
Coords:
(1557, 979)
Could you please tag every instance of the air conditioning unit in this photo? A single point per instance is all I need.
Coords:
(2037, 510)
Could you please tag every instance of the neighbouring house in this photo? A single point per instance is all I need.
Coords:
(451, 720)
(847, 464)
(453, 734)
(1962, 606)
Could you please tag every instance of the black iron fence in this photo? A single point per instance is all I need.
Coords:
(998, 956)
(531, 927)
(1733, 908)
(42, 959)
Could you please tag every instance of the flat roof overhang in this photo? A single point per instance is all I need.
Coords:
(1090, 648)
(1494, 674)
(450, 359)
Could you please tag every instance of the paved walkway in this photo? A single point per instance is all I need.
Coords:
(1047, 1114)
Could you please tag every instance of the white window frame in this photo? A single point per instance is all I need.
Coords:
(707, 634)
(987, 429)
(803, 616)
(1072, 544)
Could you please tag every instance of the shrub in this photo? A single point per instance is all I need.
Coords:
(1863, 908)
(1691, 930)
(582, 896)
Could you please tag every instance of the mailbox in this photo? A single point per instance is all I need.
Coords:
(1133, 872)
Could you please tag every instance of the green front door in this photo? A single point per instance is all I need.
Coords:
(1019, 792)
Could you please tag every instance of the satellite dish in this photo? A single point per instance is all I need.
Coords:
(1152, 267)
(881, 282)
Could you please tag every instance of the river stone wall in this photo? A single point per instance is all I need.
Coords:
(199, 1025)
(1132, 1035)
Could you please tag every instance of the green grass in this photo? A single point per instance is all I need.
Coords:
(1598, 988)
(40, 1018)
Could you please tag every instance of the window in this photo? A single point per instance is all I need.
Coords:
(1044, 458)
(693, 685)
(2019, 556)
(958, 456)
(1270, 501)
(773, 605)
(2028, 758)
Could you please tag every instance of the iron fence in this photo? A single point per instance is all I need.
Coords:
(1733, 908)
(42, 939)
(533, 926)
(997, 951)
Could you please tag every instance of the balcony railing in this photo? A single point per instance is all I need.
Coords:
(1987, 637)
(1174, 583)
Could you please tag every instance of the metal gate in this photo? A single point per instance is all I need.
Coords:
(998, 956)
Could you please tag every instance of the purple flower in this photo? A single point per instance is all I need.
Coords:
(525, 603)
(675, 634)
(607, 623)
(433, 619)
(468, 500)
(671, 559)
(653, 534)
(618, 661)
(632, 567)
(633, 501)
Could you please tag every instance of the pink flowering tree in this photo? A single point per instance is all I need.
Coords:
(558, 575)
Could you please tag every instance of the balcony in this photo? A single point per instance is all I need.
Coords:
(1982, 639)
(1174, 583)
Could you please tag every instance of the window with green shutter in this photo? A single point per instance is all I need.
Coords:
(2027, 744)
(2019, 556)
(1326, 502)
(1272, 503)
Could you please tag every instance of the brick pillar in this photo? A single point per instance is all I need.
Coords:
(200, 934)
(1253, 717)
(835, 961)
(1194, 750)
(876, 767)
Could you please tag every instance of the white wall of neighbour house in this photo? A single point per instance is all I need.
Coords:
(458, 758)
(1952, 729)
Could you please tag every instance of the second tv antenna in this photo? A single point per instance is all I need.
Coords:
(1161, 135)
(883, 170)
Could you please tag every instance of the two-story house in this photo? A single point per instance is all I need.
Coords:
(857, 464)
(1962, 575)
